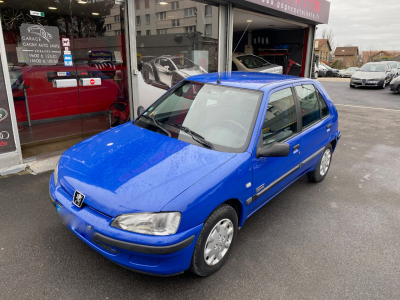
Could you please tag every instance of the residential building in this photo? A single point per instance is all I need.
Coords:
(323, 48)
(348, 55)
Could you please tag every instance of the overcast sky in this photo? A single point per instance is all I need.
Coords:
(365, 23)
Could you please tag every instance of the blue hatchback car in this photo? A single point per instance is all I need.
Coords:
(169, 191)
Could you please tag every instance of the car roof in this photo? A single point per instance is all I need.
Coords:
(246, 80)
(377, 62)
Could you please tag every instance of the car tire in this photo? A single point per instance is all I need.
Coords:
(329, 74)
(316, 75)
(398, 89)
(383, 84)
(352, 86)
(323, 166)
(223, 215)
(146, 74)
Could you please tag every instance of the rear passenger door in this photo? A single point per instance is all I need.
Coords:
(315, 124)
(280, 124)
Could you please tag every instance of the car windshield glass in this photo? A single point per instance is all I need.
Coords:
(352, 69)
(252, 62)
(373, 68)
(183, 63)
(393, 65)
(217, 117)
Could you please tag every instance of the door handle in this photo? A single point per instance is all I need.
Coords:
(296, 147)
(328, 126)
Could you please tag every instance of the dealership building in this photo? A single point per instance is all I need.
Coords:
(72, 69)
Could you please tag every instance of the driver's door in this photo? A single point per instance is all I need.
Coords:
(163, 70)
(272, 174)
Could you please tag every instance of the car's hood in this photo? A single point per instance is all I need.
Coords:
(190, 72)
(130, 169)
(269, 69)
(369, 75)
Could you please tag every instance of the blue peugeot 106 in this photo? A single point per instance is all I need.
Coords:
(169, 191)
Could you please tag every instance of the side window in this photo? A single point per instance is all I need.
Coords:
(280, 121)
(322, 104)
(309, 106)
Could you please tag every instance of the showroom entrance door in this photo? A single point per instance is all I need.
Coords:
(66, 66)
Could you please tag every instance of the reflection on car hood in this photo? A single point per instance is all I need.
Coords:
(369, 75)
(130, 169)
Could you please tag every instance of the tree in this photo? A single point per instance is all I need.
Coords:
(328, 35)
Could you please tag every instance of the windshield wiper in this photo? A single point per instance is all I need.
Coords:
(158, 124)
(197, 137)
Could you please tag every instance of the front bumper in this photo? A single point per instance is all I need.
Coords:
(367, 82)
(159, 255)
(394, 86)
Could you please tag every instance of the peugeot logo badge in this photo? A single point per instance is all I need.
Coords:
(78, 199)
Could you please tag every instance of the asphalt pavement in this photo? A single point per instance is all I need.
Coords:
(338, 239)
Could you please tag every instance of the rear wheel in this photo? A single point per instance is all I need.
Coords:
(215, 241)
(329, 74)
(323, 166)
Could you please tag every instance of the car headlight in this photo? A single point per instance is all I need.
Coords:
(56, 174)
(149, 223)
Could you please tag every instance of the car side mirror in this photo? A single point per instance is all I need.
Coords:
(275, 150)
(140, 110)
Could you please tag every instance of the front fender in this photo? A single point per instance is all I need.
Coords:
(225, 183)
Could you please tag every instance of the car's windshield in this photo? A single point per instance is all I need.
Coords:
(252, 62)
(183, 63)
(393, 65)
(373, 68)
(352, 69)
(221, 115)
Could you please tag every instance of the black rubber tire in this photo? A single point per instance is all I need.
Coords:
(315, 176)
(175, 79)
(146, 74)
(352, 86)
(198, 265)
(398, 89)
(329, 74)
(383, 84)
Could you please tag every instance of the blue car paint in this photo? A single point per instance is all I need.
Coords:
(113, 177)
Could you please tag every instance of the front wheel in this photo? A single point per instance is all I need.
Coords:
(383, 84)
(215, 241)
(352, 86)
(323, 166)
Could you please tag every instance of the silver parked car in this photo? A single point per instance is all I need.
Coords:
(377, 74)
(350, 72)
(252, 63)
(395, 83)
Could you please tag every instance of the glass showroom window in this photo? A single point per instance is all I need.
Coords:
(180, 45)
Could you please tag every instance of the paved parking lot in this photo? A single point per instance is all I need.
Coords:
(338, 239)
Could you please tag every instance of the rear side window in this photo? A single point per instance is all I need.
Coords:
(309, 106)
(280, 121)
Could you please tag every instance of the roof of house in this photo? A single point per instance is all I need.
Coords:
(397, 58)
(319, 43)
(346, 51)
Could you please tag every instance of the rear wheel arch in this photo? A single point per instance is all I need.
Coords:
(333, 144)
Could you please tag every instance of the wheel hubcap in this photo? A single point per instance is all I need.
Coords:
(218, 242)
(325, 162)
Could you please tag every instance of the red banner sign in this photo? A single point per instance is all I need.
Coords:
(315, 10)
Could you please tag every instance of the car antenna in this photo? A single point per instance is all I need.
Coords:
(226, 65)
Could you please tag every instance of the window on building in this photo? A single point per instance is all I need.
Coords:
(116, 18)
(175, 23)
(190, 29)
(148, 32)
(162, 31)
(137, 5)
(108, 27)
(190, 12)
(309, 106)
(208, 10)
(117, 32)
(208, 29)
(161, 15)
(280, 120)
(175, 5)
(148, 19)
(138, 33)
(137, 20)
(146, 4)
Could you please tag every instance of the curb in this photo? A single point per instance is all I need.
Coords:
(34, 167)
